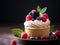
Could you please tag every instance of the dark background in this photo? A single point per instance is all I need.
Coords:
(14, 11)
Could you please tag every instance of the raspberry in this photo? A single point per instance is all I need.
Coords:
(43, 37)
(57, 33)
(46, 15)
(43, 18)
(52, 37)
(13, 42)
(28, 17)
(24, 35)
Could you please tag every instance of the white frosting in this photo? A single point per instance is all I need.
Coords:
(36, 23)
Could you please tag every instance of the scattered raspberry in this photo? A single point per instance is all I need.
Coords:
(57, 33)
(43, 18)
(13, 42)
(24, 35)
(51, 37)
(43, 37)
(28, 17)
(46, 15)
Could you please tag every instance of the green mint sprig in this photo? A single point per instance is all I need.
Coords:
(17, 31)
(38, 9)
(41, 11)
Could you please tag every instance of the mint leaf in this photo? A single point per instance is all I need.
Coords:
(17, 31)
(52, 28)
(43, 10)
(38, 9)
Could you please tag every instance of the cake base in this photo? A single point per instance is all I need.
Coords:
(38, 31)
(39, 42)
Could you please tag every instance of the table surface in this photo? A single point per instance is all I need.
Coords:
(6, 36)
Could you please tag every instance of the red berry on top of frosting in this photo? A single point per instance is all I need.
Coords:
(43, 18)
(45, 14)
(29, 17)
(24, 35)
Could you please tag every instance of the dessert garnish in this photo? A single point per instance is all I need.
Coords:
(24, 35)
(28, 17)
(43, 37)
(13, 42)
(54, 34)
(17, 32)
(36, 14)
(33, 17)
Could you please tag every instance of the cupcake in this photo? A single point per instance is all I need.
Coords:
(36, 24)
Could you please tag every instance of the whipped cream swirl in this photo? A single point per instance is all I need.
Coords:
(36, 23)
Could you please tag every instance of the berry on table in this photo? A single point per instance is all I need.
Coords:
(28, 17)
(24, 35)
(57, 33)
(53, 33)
(52, 37)
(33, 37)
(13, 42)
(43, 37)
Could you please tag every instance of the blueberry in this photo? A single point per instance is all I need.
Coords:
(38, 18)
(32, 37)
(33, 19)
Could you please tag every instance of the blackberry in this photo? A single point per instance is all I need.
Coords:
(35, 15)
